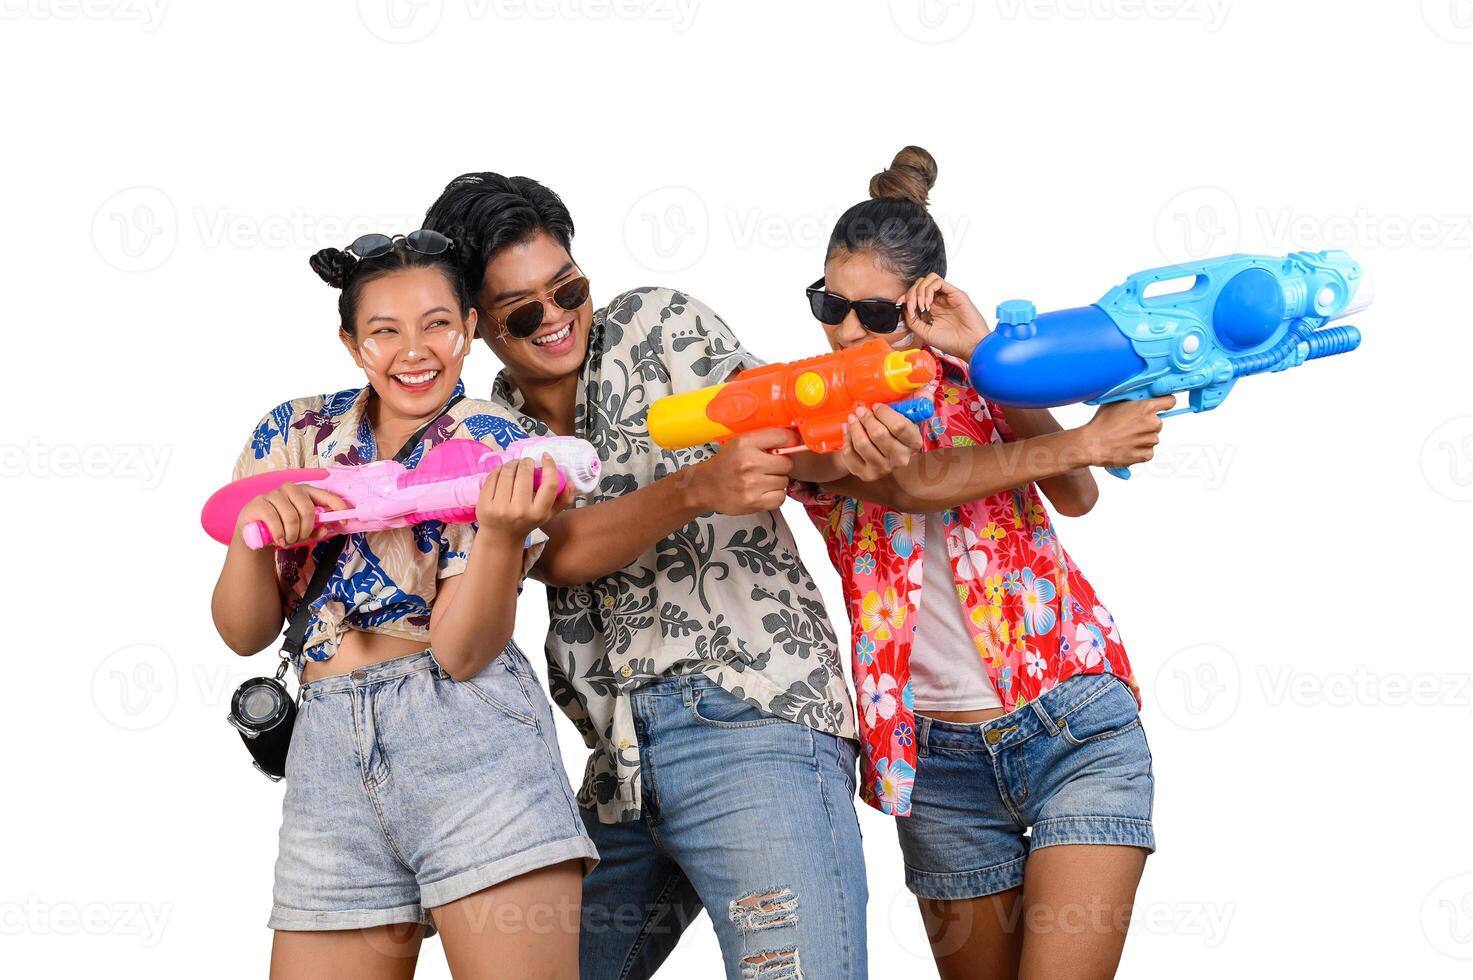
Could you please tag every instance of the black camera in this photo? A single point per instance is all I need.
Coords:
(263, 712)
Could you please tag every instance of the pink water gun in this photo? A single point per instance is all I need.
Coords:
(443, 487)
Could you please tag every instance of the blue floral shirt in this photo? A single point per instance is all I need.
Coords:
(385, 581)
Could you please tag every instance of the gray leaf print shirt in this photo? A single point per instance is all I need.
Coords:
(727, 597)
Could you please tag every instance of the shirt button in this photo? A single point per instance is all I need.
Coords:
(627, 670)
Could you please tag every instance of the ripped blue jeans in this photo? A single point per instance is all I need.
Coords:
(746, 815)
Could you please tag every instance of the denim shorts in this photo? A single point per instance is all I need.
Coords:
(406, 790)
(1072, 767)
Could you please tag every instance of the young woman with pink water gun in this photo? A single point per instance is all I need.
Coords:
(998, 717)
(424, 782)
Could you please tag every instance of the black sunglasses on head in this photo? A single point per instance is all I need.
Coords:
(876, 315)
(424, 241)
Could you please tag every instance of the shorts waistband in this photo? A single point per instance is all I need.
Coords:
(378, 673)
(1043, 714)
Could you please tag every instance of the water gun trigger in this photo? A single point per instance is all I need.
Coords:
(918, 410)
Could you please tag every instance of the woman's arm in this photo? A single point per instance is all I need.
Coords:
(474, 612)
(1120, 434)
(1073, 492)
(246, 605)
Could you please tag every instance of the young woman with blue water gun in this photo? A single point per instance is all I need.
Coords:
(425, 789)
(999, 717)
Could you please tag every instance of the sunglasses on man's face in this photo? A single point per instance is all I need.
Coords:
(876, 315)
(523, 321)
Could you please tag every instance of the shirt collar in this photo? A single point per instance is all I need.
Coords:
(351, 441)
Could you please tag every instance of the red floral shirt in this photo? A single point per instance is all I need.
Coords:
(1034, 617)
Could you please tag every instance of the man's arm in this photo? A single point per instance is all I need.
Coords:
(585, 543)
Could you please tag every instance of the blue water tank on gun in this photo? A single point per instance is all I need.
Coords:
(1233, 316)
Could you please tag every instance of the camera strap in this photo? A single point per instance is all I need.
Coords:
(327, 561)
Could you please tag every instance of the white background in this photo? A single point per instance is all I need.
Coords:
(1290, 575)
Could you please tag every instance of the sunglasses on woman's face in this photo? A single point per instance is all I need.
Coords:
(876, 315)
(424, 241)
(523, 321)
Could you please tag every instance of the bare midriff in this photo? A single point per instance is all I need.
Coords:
(360, 649)
(966, 717)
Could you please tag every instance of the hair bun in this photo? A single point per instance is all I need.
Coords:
(911, 176)
(332, 264)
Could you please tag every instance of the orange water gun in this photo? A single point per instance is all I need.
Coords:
(814, 396)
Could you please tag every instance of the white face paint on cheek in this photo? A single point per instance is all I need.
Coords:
(459, 345)
(370, 371)
(371, 345)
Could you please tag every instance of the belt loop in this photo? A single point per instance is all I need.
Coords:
(1043, 716)
(923, 736)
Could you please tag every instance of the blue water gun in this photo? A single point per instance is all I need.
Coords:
(1234, 316)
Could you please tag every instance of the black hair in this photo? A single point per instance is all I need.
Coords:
(894, 224)
(486, 212)
(343, 271)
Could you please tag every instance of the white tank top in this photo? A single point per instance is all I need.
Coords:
(946, 669)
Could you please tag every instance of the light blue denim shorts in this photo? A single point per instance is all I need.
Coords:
(406, 790)
(1072, 767)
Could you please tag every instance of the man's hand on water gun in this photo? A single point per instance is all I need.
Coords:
(510, 504)
(943, 316)
(1124, 433)
(746, 476)
(878, 442)
(290, 512)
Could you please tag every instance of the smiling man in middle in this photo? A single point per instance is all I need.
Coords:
(687, 640)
